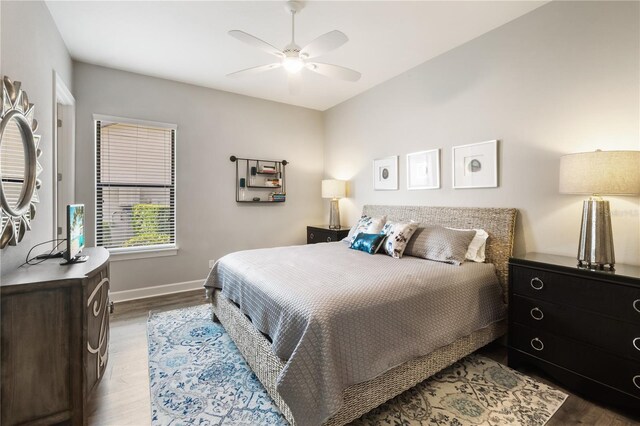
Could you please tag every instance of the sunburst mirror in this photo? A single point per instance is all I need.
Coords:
(19, 167)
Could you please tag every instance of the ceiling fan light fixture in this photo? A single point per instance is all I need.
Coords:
(293, 64)
(293, 58)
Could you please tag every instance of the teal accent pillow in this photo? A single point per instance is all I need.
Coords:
(369, 243)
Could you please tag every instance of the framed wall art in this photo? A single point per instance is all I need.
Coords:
(385, 174)
(475, 165)
(423, 170)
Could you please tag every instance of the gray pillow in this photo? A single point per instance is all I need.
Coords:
(440, 244)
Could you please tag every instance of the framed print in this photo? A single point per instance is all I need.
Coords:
(423, 170)
(385, 174)
(475, 165)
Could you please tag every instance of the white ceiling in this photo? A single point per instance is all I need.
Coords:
(187, 41)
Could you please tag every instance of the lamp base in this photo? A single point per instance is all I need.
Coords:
(595, 250)
(596, 266)
(334, 215)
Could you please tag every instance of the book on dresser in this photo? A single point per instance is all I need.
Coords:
(54, 337)
(579, 326)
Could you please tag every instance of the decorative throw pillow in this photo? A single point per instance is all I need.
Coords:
(369, 243)
(367, 225)
(398, 235)
(440, 244)
(476, 250)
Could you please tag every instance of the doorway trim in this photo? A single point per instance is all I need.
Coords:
(61, 95)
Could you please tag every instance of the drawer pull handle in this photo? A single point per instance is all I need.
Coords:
(537, 344)
(536, 283)
(636, 380)
(311, 236)
(329, 239)
(636, 343)
(537, 314)
(636, 305)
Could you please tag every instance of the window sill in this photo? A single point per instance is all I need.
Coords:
(116, 256)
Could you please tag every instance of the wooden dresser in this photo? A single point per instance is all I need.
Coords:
(54, 339)
(580, 326)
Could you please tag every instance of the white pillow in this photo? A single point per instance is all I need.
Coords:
(398, 236)
(476, 250)
(367, 225)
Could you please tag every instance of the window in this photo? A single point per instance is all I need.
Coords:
(12, 164)
(135, 185)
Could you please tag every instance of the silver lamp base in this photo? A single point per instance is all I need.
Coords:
(334, 215)
(596, 238)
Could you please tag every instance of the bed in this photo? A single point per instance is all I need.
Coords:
(296, 370)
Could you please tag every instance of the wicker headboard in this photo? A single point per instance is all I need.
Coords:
(498, 222)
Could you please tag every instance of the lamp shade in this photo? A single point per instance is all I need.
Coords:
(333, 188)
(601, 173)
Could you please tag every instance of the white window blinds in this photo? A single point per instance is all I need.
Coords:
(12, 164)
(135, 186)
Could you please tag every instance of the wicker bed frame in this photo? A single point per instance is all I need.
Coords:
(363, 397)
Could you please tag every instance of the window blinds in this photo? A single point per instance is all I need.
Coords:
(12, 164)
(135, 186)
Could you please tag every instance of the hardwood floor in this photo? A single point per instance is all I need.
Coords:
(122, 398)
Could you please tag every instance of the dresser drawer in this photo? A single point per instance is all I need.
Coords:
(584, 359)
(618, 337)
(320, 235)
(97, 327)
(615, 300)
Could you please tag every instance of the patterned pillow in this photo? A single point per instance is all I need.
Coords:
(477, 248)
(367, 225)
(368, 243)
(398, 235)
(440, 244)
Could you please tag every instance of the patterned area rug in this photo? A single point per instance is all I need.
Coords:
(198, 377)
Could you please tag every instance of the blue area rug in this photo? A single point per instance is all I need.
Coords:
(198, 377)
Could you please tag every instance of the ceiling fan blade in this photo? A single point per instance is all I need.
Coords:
(324, 44)
(255, 70)
(334, 71)
(295, 84)
(256, 42)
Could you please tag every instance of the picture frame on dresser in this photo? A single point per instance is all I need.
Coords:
(475, 165)
(579, 326)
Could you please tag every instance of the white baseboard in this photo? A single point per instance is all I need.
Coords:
(158, 290)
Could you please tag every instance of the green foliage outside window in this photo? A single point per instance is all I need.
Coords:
(150, 225)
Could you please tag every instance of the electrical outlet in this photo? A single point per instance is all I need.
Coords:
(211, 263)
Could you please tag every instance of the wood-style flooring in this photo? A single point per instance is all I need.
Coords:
(122, 398)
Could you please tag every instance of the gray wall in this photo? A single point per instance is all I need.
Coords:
(212, 125)
(30, 50)
(564, 78)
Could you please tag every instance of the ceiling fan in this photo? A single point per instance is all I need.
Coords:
(293, 58)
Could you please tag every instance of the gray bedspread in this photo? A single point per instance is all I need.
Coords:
(339, 316)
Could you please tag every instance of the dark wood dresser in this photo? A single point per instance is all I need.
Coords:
(322, 234)
(54, 339)
(580, 326)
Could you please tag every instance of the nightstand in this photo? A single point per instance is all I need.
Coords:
(322, 234)
(580, 326)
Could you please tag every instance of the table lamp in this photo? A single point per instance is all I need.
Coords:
(599, 173)
(334, 189)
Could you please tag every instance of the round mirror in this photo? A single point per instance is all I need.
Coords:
(18, 163)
